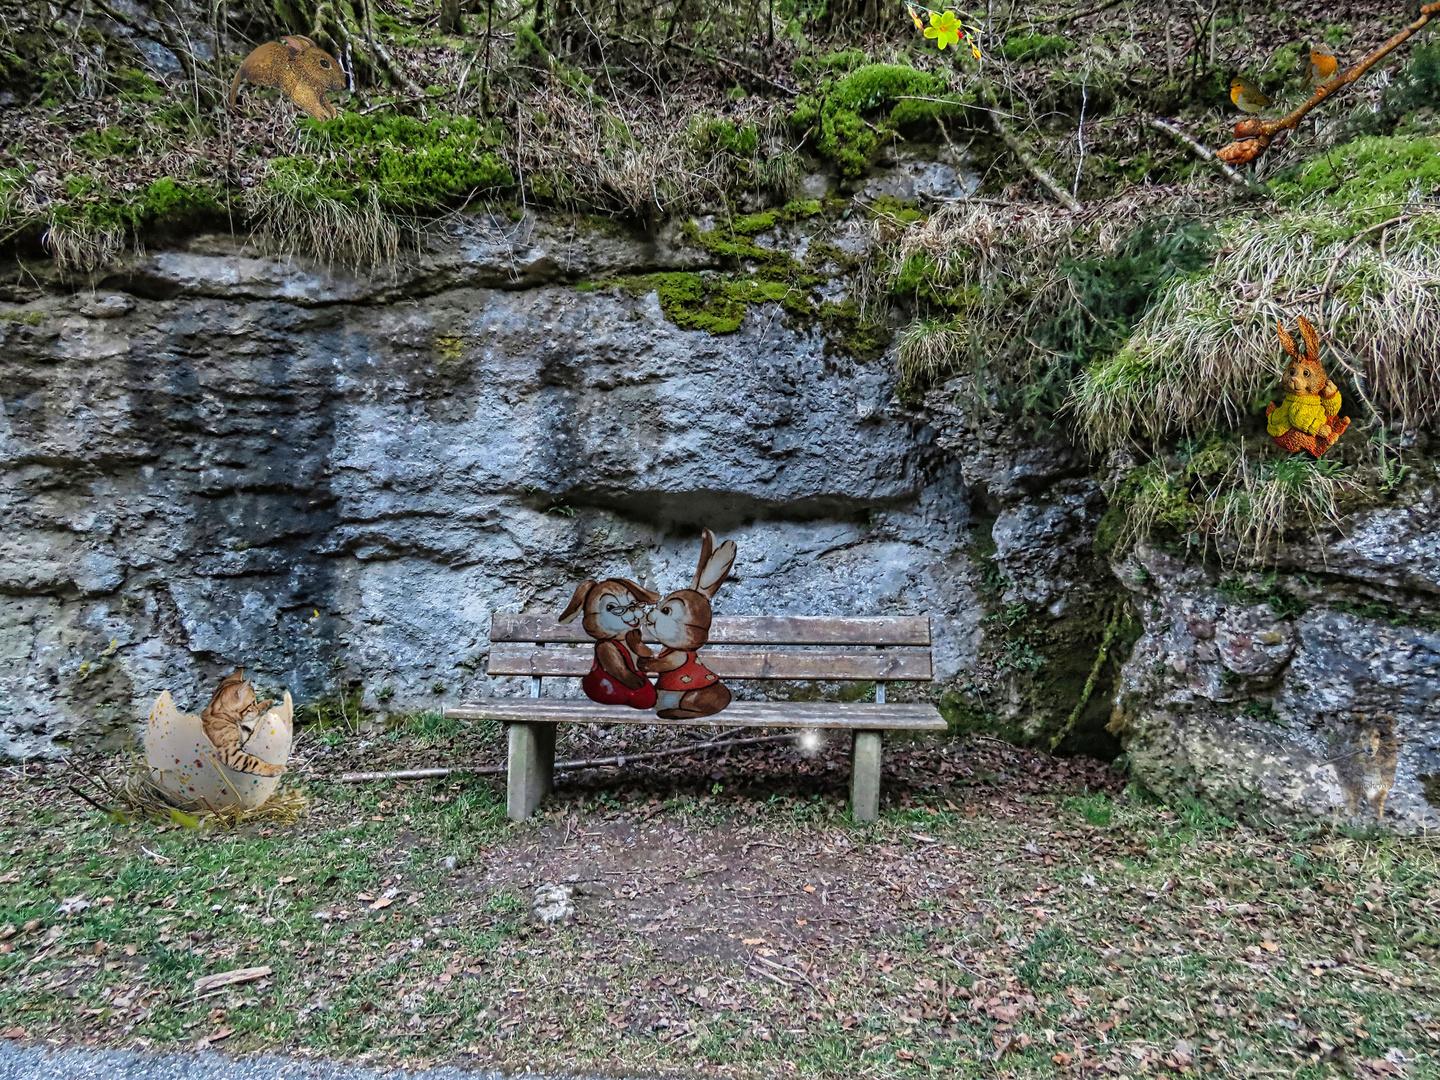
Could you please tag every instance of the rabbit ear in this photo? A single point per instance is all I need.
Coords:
(1286, 341)
(716, 567)
(639, 591)
(1312, 340)
(577, 601)
(707, 545)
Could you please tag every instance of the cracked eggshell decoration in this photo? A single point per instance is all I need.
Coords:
(183, 761)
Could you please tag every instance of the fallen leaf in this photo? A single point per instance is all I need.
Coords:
(809, 888)
(287, 881)
(73, 906)
(752, 941)
(383, 902)
(802, 922)
(206, 983)
(365, 897)
(7, 931)
(1061, 1058)
(1270, 946)
(13, 1033)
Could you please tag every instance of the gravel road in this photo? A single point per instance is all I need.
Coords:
(33, 1063)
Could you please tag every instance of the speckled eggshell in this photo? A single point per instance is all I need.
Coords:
(183, 762)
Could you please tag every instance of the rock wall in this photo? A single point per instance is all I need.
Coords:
(1320, 699)
(218, 459)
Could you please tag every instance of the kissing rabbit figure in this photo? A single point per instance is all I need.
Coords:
(612, 617)
(686, 688)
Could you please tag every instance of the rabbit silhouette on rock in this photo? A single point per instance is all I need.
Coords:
(299, 68)
(686, 688)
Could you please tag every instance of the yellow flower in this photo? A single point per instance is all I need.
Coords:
(915, 16)
(974, 49)
(945, 29)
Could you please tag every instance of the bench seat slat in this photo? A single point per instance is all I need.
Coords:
(861, 715)
(896, 665)
(742, 630)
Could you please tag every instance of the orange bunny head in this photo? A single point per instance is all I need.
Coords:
(1304, 375)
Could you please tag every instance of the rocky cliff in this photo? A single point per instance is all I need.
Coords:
(216, 458)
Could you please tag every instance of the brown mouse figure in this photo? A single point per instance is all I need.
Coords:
(686, 688)
(613, 612)
(1307, 416)
(300, 69)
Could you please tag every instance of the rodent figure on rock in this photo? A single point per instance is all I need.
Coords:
(299, 68)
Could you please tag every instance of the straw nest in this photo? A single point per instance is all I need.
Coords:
(130, 784)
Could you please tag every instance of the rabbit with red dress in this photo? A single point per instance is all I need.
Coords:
(686, 688)
(613, 612)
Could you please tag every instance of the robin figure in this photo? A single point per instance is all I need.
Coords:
(1322, 67)
(1247, 97)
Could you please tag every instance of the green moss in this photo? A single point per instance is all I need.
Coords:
(856, 333)
(713, 135)
(404, 164)
(108, 141)
(132, 84)
(808, 67)
(1029, 48)
(1266, 590)
(1370, 172)
(162, 202)
(27, 318)
(835, 117)
(904, 211)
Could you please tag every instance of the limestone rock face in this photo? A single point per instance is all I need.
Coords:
(1317, 713)
(220, 459)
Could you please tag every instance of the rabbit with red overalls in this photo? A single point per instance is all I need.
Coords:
(687, 689)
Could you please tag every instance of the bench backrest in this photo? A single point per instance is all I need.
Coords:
(884, 648)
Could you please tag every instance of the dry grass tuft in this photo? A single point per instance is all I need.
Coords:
(296, 221)
(580, 150)
(131, 783)
(1257, 501)
(1208, 349)
(1009, 264)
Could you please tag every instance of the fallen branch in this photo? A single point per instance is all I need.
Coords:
(1201, 151)
(1021, 151)
(1253, 136)
(586, 763)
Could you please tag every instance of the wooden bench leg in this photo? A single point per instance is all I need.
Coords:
(531, 770)
(865, 775)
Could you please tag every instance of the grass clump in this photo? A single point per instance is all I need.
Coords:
(1206, 355)
(340, 194)
(835, 116)
(1023, 304)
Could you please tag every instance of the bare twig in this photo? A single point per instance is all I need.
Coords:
(587, 763)
(1021, 151)
(1201, 150)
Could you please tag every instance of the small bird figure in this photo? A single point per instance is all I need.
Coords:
(1322, 66)
(1247, 97)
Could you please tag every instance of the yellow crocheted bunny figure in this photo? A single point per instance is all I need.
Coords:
(1307, 416)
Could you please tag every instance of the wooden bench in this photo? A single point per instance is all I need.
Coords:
(879, 649)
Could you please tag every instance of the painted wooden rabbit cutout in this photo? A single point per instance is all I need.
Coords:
(680, 622)
(613, 613)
